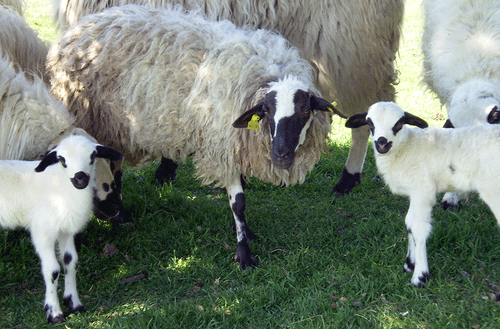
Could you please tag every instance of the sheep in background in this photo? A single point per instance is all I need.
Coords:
(420, 162)
(16, 5)
(32, 121)
(352, 44)
(461, 46)
(181, 82)
(21, 44)
(52, 199)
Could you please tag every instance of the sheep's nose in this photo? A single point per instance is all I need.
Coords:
(382, 145)
(281, 155)
(81, 180)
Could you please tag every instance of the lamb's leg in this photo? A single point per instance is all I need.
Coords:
(418, 224)
(165, 171)
(237, 202)
(451, 201)
(351, 175)
(69, 259)
(45, 247)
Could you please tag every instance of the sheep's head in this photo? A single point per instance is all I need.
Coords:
(288, 107)
(76, 155)
(475, 102)
(385, 120)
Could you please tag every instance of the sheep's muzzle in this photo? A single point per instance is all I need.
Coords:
(80, 180)
(382, 145)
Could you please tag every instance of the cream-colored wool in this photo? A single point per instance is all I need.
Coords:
(160, 82)
(352, 44)
(21, 43)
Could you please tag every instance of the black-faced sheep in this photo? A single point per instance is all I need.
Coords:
(461, 46)
(52, 198)
(32, 121)
(352, 44)
(420, 162)
(181, 83)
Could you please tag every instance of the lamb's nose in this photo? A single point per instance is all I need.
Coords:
(81, 180)
(382, 145)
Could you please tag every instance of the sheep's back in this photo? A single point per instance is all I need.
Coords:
(461, 41)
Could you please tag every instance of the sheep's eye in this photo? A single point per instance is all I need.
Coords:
(306, 110)
(62, 160)
(369, 122)
(92, 157)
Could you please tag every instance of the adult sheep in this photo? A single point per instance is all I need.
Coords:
(352, 45)
(461, 46)
(181, 82)
(21, 44)
(32, 121)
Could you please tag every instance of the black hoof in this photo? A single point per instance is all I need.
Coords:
(346, 183)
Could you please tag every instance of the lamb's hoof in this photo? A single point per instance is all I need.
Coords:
(421, 280)
(346, 183)
(451, 206)
(68, 302)
(244, 256)
(51, 318)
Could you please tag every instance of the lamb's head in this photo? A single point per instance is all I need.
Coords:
(288, 107)
(474, 102)
(76, 155)
(386, 121)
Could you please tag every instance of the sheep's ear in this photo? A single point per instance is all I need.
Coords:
(245, 118)
(318, 103)
(108, 153)
(413, 120)
(494, 116)
(357, 120)
(448, 124)
(48, 160)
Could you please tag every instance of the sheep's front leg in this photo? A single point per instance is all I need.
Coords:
(351, 176)
(418, 225)
(237, 202)
(69, 259)
(45, 247)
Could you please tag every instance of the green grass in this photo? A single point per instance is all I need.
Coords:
(326, 262)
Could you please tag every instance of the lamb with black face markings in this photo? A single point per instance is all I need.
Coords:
(183, 82)
(421, 161)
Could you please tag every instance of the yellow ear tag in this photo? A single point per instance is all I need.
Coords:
(334, 105)
(254, 122)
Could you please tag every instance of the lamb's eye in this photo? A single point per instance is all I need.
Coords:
(92, 157)
(370, 125)
(306, 110)
(62, 160)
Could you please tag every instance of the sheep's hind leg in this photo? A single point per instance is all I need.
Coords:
(69, 259)
(45, 247)
(418, 224)
(451, 201)
(166, 171)
(243, 233)
(351, 176)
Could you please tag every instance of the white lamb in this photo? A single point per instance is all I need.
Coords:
(420, 162)
(352, 44)
(52, 198)
(32, 121)
(461, 46)
(161, 82)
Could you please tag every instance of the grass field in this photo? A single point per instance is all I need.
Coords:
(326, 262)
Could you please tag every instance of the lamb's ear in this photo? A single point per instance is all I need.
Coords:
(48, 160)
(413, 120)
(494, 116)
(318, 103)
(245, 118)
(448, 124)
(357, 120)
(108, 153)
